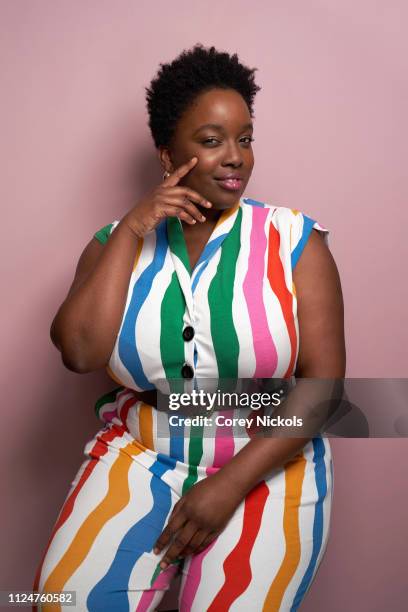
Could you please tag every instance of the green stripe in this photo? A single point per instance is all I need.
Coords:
(159, 569)
(177, 241)
(108, 398)
(195, 453)
(103, 234)
(171, 340)
(220, 295)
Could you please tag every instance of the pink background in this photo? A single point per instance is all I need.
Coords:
(331, 140)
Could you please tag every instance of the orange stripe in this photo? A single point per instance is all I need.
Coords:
(112, 375)
(146, 425)
(138, 251)
(115, 500)
(227, 212)
(99, 449)
(290, 244)
(294, 475)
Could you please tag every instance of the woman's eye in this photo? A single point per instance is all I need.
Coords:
(248, 139)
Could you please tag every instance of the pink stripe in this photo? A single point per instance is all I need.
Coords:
(145, 601)
(194, 578)
(109, 415)
(224, 443)
(265, 351)
(160, 584)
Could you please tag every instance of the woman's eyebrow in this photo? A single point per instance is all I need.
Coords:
(216, 126)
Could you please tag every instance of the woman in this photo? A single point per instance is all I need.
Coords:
(197, 282)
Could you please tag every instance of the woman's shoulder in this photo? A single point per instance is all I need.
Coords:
(281, 213)
(293, 226)
(284, 215)
(102, 235)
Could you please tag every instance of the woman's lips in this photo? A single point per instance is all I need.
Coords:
(230, 184)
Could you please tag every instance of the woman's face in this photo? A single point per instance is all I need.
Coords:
(217, 129)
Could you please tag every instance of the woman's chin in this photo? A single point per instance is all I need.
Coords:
(226, 199)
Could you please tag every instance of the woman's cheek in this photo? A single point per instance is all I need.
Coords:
(208, 167)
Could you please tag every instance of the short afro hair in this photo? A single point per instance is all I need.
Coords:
(193, 72)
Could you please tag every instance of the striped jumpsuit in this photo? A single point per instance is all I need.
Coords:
(240, 300)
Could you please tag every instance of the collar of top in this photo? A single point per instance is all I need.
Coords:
(177, 243)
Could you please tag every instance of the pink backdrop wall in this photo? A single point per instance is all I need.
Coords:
(331, 140)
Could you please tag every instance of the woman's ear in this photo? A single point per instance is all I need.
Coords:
(165, 160)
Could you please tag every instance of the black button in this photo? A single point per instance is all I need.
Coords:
(188, 333)
(187, 371)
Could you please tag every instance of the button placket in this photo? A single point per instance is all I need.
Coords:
(188, 333)
(186, 276)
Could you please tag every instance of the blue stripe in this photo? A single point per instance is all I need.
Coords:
(254, 202)
(321, 485)
(128, 351)
(177, 441)
(307, 228)
(205, 257)
(197, 276)
(332, 478)
(177, 431)
(110, 593)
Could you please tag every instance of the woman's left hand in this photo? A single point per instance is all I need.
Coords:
(198, 518)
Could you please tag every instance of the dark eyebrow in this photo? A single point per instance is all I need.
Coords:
(215, 126)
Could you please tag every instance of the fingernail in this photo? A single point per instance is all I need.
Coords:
(202, 218)
(163, 565)
(193, 220)
(208, 204)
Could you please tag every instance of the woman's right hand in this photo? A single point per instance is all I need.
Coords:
(167, 200)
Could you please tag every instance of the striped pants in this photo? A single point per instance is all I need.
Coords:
(123, 494)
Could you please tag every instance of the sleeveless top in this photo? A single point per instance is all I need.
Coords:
(233, 316)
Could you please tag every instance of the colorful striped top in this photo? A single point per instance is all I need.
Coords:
(233, 316)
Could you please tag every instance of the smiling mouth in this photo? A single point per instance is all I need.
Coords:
(230, 184)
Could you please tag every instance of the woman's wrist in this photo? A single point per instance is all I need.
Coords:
(234, 481)
(134, 227)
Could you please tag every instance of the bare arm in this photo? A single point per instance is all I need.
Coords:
(322, 351)
(86, 324)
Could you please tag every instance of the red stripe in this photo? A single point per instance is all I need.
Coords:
(237, 567)
(124, 411)
(276, 278)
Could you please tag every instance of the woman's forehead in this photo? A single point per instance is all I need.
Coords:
(223, 107)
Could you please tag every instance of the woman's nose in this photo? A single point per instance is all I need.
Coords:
(233, 154)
